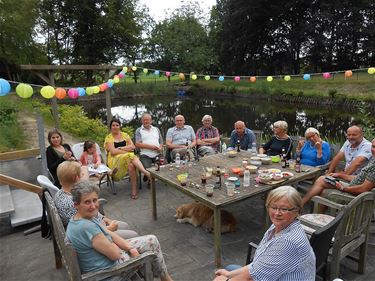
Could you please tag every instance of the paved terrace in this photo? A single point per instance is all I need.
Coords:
(188, 250)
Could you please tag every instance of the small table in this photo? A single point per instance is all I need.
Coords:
(220, 199)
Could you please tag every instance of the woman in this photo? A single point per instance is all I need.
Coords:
(69, 173)
(279, 141)
(121, 157)
(284, 252)
(57, 153)
(314, 151)
(96, 247)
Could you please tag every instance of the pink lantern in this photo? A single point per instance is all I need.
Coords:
(326, 75)
(73, 93)
(121, 75)
(237, 79)
(168, 73)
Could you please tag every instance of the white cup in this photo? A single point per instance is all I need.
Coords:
(230, 189)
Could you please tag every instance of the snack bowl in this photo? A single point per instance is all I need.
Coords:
(262, 155)
(255, 158)
(252, 169)
(256, 163)
(287, 175)
(266, 160)
(274, 171)
(275, 159)
(263, 172)
(232, 153)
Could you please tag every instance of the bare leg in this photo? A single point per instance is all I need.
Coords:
(167, 277)
(133, 178)
(137, 163)
(316, 189)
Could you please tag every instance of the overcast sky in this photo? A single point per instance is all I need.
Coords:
(158, 7)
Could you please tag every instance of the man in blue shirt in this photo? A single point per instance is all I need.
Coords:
(243, 134)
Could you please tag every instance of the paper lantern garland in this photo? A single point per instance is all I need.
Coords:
(25, 91)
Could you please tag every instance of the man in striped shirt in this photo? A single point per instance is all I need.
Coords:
(208, 138)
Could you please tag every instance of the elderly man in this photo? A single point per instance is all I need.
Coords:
(354, 185)
(356, 152)
(242, 134)
(208, 138)
(181, 138)
(148, 139)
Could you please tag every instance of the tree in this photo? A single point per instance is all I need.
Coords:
(180, 42)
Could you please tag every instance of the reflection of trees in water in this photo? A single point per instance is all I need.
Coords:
(258, 114)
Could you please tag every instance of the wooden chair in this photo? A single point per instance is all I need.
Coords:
(105, 175)
(66, 255)
(351, 233)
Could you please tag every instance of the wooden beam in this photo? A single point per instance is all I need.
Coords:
(19, 154)
(20, 184)
(68, 67)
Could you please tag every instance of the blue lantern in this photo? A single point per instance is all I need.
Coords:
(221, 78)
(306, 77)
(81, 92)
(4, 87)
(157, 72)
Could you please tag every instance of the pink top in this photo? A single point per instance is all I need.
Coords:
(85, 156)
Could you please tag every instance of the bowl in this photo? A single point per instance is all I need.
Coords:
(287, 175)
(252, 169)
(277, 177)
(256, 163)
(266, 160)
(275, 159)
(265, 177)
(232, 153)
(262, 155)
(255, 158)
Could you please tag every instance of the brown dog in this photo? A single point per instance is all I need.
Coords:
(198, 214)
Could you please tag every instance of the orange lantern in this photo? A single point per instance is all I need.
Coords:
(348, 73)
(60, 93)
(181, 76)
(253, 79)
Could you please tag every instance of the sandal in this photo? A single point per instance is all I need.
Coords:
(134, 196)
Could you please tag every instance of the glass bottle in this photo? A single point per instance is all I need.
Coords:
(177, 160)
(298, 164)
(218, 177)
(238, 146)
(283, 158)
(246, 178)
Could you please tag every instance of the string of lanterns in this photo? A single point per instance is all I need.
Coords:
(26, 90)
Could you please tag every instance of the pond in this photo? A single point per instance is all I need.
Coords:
(258, 114)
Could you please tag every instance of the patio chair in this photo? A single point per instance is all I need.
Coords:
(352, 232)
(105, 174)
(45, 182)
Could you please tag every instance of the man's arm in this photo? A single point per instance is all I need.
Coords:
(335, 161)
(357, 189)
(356, 163)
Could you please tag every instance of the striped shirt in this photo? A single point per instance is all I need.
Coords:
(285, 256)
(208, 133)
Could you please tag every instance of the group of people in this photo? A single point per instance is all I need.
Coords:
(102, 243)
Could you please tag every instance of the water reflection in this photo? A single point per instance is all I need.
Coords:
(258, 114)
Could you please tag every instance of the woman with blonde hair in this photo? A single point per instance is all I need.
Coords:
(279, 141)
(312, 150)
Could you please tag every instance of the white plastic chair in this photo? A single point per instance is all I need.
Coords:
(46, 183)
(106, 177)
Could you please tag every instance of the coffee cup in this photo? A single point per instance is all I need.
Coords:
(209, 189)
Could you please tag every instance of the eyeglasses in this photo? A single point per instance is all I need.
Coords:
(282, 210)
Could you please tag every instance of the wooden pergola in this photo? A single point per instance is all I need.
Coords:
(46, 73)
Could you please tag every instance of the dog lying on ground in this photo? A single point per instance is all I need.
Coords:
(198, 214)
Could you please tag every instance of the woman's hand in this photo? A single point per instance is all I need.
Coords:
(133, 252)
(222, 272)
(300, 144)
(67, 155)
(112, 226)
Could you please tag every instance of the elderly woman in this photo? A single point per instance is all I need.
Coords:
(208, 137)
(279, 141)
(96, 247)
(69, 173)
(121, 156)
(314, 151)
(284, 252)
(56, 153)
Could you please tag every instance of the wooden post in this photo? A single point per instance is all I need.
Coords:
(108, 99)
(55, 111)
(42, 145)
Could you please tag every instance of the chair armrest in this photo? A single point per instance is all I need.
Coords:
(102, 202)
(251, 248)
(325, 202)
(132, 265)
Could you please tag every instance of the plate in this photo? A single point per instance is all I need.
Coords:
(287, 175)
(262, 155)
(232, 178)
(274, 171)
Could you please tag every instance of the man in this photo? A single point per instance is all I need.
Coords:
(356, 151)
(148, 139)
(347, 184)
(208, 138)
(181, 138)
(243, 134)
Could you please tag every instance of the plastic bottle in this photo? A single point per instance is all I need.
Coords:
(224, 147)
(177, 160)
(246, 178)
(254, 149)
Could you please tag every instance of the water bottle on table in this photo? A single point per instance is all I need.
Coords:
(254, 149)
(177, 160)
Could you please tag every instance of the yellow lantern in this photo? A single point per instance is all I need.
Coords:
(24, 90)
(125, 69)
(269, 78)
(145, 70)
(194, 77)
(47, 92)
(207, 77)
(134, 68)
(371, 70)
(287, 77)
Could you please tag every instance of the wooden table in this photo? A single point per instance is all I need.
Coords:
(168, 175)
